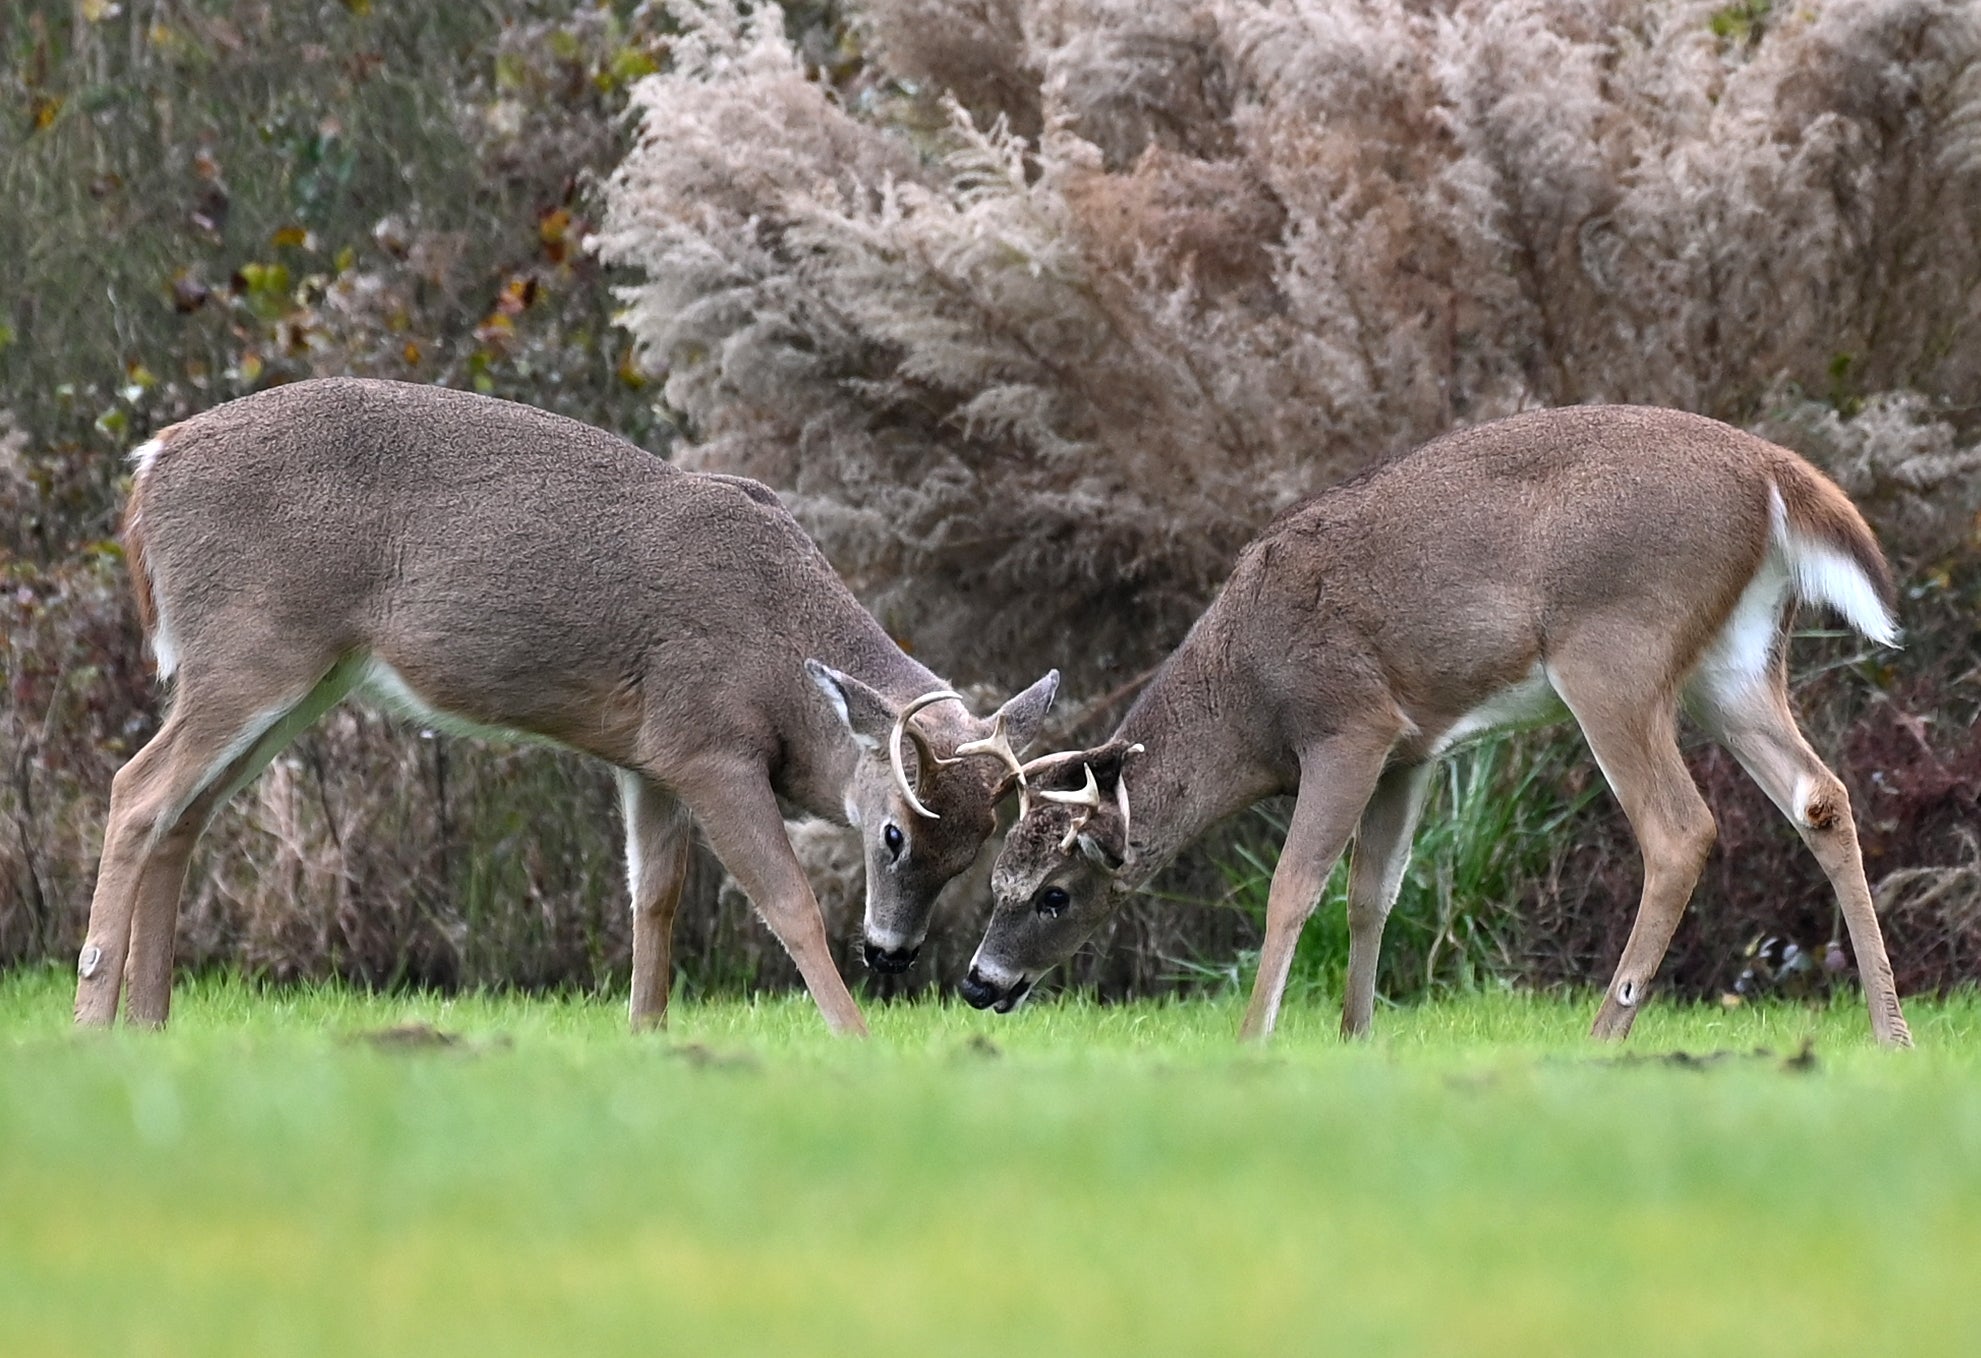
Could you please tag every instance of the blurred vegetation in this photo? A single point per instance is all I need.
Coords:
(207, 197)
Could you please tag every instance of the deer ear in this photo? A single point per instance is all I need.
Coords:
(866, 714)
(1026, 712)
(1108, 761)
(1105, 840)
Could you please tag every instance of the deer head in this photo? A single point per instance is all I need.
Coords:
(1054, 882)
(923, 795)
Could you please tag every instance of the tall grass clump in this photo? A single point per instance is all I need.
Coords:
(1495, 826)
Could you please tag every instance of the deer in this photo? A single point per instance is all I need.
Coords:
(485, 567)
(1605, 564)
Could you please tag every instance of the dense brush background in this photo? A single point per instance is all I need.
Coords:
(1035, 312)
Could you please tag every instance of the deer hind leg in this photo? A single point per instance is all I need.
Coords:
(154, 924)
(739, 816)
(1755, 723)
(1630, 722)
(220, 732)
(657, 849)
(1337, 780)
(1375, 875)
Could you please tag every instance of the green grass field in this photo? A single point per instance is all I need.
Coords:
(266, 1179)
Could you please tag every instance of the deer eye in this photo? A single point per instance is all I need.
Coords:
(1051, 902)
(891, 837)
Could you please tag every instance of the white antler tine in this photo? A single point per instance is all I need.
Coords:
(895, 738)
(1055, 757)
(901, 778)
(1089, 796)
(998, 745)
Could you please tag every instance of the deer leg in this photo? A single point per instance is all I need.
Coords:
(1756, 724)
(150, 798)
(657, 850)
(1633, 731)
(1375, 875)
(154, 924)
(1336, 780)
(739, 816)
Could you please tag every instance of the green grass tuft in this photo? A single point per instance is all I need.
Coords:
(270, 1177)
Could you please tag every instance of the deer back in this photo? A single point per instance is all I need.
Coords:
(515, 568)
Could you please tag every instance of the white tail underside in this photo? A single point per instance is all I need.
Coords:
(1824, 575)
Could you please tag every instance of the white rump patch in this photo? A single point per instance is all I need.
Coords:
(1745, 646)
(1825, 575)
(164, 641)
(165, 651)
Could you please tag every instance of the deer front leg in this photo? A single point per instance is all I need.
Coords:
(739, 815)
(657, 850)
(1336, 781)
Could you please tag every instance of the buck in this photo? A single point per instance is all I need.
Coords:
(486, 566)
(1604, 563)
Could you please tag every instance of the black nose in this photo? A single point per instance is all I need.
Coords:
(893, 960)
(980, 993)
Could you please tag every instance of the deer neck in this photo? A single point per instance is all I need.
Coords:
(1200, 763)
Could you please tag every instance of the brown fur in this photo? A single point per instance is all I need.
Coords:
(131, 530)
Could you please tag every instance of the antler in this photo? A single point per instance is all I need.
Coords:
(1121, 785)
(1090, 798)
(998, 745)
(894, 747)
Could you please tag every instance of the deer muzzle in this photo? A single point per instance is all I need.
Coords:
(983, 992)
(893, 961)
